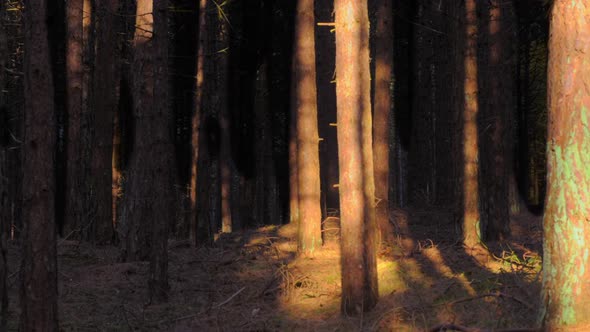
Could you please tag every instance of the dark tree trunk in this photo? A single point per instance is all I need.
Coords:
(421, 155)
(196, 232)
(5, 178)
(402, 104)
(496, 80)
(74, 210)
(39, 264)
(357, 187)
(226, 167)
(566, 264)
(163, 167)
(104, 105)
(382, 113)
(138, 201)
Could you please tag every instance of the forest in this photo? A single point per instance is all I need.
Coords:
(295, 165)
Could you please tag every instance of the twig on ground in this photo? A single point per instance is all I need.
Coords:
(230, 298)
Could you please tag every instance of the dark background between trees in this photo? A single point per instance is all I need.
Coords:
(132, 124)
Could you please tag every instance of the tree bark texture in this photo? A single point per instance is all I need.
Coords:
(39, 264)
(382, 114)
(304, 94)
(471, 234)
(149, 184)
(5, 206)
(196, 120)
(104, 105)
(496, 79)
(357, 187)
(566, 262)
(74, 210)
(163, 168)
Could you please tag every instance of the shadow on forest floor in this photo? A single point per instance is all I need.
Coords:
(251, 281)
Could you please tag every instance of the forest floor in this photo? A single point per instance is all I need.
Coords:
(252, 281)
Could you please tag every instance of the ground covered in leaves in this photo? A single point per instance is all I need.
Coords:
(252, 281)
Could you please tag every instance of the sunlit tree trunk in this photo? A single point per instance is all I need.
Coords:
(39, 265)
(470, 214)
(305, 105)
(566, 263)
(74, 80)
(382, 111)
(293, 171)
(104, 104)
(357, 187)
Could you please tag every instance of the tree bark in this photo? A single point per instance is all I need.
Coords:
(74, 210)
(497, 82)
(39, 264)
(305, 105)
(357, 187)
(104, 105)
(382, 111)
(5, 206)
(566, 263)
(163, 168)
(134, 225)
(225, 157)
(196, 120)
(471, 234)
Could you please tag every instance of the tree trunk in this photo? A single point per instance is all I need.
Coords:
(163, 166)
(139, 199)
(305, 105)
(5, 206)
(382, 111)
(196, 120)
(497, 82)
(39, 263)
(74, 210)
(225, 157)
(104, 105)
(566, 264)
(470, 214)
(357, 187)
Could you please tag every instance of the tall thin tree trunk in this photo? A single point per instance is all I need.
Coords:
(357, 187)
(196, 119)
(5, 206)
(163, 168)
(225, 156)
(39, 264)
(382, 111)
(138, 210)
(497, 78)
(566, 263)
(470, 214)
(74, 78)
(304, 99)
(104, 105)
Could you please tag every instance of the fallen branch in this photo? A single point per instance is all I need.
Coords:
(230, 298)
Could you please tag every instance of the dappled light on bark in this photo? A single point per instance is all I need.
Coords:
(305, 105)
(566, 263)
(471, 235)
